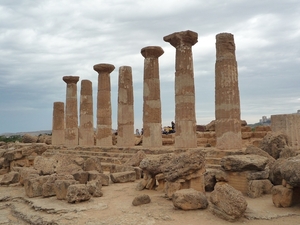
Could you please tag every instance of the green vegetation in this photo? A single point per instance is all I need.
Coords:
(12, 138)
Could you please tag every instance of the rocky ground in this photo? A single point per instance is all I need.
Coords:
(115, 208)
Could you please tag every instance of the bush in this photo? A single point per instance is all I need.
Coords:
(12, 138)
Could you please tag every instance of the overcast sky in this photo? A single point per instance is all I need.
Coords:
(41, 41)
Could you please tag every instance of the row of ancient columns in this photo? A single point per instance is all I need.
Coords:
(227, 103)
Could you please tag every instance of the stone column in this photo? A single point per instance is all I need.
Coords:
(288, 124)
(152, 136)
(104, 129)
(185, 115)
(71, 132)
(227, 97)
(125, 108)
(58, 124)
(86, 127)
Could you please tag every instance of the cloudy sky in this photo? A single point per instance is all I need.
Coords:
(42, 41)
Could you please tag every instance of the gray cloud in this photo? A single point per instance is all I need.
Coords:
(42, 41)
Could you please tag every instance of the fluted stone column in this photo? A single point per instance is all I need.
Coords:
(185, 115)
(104, 129)
(71, 131)
(86, 127)
(125, 108)
(227, 97)
(152, 136)
(58, 123)
(288, 124)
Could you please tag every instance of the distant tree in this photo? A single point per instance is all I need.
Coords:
(12, 138)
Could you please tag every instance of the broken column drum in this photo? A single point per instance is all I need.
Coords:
(185, 115)
(152, 136)
(227, 98)
(58, 124)
(125, 108)
(86, 127)
(71, 112)
(104, 122)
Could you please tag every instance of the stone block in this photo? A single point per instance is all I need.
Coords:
(282, 196)
(141, 199)
(10, 178)
(34, 186)
(81, 176)
(77, 193)
(189, 199)
(123, 177)
(61, 188)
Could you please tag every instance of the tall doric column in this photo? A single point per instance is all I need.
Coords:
(71, 132)
(58, 124)
(125, 108)
(152, 136)
(227, 97)
(185, 115)
(104, 130)
(86, 127)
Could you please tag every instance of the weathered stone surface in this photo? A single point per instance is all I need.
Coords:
(227, 97)
(120, 168)
(141, 185)
(86, 127)
(81, 176)
(95, 175)
(188, 199)
(27, 138)
(244, 162)
(67, 164)
(49, 186)
(212, 176)
(34, 186)
(136, 159)
(58, 123)
(141, 199)
(61, 188)
(259, 187)
(125, 108)
(104, 135)
(211, 126)
(71, 112)
(77, 193)
(253, 150)
(26, 172)
(183, 164)
(258, 175)
(275, 175)
(172, 187)
(154, 164)
(185, 114)
(290, 171)
(122, 177)
(94, 188)
(274, 143)
(10, 178)
(151, 95)
(93, 163)
(282, 196)
(227, 202)
(45, 166)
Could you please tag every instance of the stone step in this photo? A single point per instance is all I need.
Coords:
(216, 161)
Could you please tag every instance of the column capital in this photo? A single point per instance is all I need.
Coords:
(225, 47)
(104, 67)
(187, 38)
(152, 51)
(71, 79)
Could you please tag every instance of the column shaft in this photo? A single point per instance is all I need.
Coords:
(125, 108)
(86, 128)
(185, 115)
(58, 124)
(227, 98)
(71, 117)
(104, 123)
(152, 136)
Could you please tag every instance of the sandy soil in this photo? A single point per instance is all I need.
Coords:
(115, 208)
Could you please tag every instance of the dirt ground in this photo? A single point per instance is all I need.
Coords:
(115, 208)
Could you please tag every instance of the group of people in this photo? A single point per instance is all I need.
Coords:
(166, 130)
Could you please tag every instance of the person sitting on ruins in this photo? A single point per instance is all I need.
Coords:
(137, 132)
